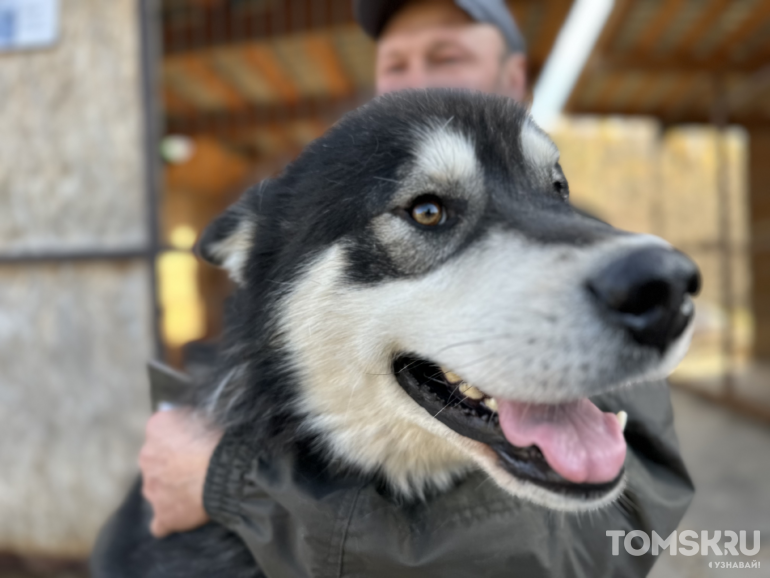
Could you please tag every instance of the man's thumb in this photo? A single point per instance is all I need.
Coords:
(157, 529)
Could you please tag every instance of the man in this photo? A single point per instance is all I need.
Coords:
(436, 43)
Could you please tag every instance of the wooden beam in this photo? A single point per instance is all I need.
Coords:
(254, 87)
(680, 101)
(637, 100)
(213, 170)
(759, 199)
(174, 104)
(262, 57)
(222, 23)
(667, 64)
(670, 99)
(614, 24)
(231, 123)
(657, 27)
(556, 13)
(321, 52)
(176, 79)
(699, 27)
(749, 91)
(611, 87)
(677, 117)
(198, 68)
(750, 24)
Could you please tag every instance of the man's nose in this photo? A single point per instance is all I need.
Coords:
(647, 293)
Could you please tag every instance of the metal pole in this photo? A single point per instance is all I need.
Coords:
(149, 25)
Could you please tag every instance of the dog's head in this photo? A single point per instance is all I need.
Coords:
(438, 305)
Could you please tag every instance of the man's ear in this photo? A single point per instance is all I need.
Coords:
(228, 239)
(513, 76)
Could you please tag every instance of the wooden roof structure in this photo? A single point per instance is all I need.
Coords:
(270, 75)
(680, 60)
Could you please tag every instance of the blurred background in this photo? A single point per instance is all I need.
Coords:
(126, 125)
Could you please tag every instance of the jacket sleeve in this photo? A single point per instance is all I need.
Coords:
(245, 492)
(224, 487)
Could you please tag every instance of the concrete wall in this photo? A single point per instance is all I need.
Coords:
(74, 336)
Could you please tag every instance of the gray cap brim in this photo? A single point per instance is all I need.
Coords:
(373, 15)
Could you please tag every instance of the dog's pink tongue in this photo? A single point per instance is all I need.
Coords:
(579, 441)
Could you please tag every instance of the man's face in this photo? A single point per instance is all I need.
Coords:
(433, 43)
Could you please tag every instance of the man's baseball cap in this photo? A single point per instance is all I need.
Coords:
(373, 15)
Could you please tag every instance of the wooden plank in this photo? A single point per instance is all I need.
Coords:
(657, 27)
(251, 84)
(262, 57)
(356, 52)
(750, 94)
(320, 51)
(696, 98)
(753, 21)
(213, 170)
(176, 78)
(676, 93)
(649, 85)
(227, 23)
(759, 198)
(607, 94)
(174, 104)
(305, 131)
(615, 24)
(556, 13)
(685, 43)
(227, 123)
(198, 68)
(682, 63)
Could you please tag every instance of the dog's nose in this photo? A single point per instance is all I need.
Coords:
(647, 292)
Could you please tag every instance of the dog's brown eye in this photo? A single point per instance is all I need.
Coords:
(428, 212)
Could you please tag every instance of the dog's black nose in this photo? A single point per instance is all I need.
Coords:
(647, 292)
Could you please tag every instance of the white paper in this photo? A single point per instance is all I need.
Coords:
(28, 24)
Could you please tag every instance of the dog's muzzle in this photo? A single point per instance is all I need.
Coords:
(647, 294)
(572, 449)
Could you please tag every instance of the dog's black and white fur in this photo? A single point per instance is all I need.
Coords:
(341, 292)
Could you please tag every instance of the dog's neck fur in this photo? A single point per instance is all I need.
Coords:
(339, 373)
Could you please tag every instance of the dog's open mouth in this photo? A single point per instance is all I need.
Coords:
(573, 449)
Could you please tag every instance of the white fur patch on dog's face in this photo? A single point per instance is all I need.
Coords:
(507, 315)
(537, 147)
(445, 154)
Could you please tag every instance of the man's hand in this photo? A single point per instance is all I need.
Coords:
(174, 461)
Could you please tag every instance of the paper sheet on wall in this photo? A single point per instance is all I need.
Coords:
(28, 24)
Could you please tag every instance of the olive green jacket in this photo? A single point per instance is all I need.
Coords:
(299, 521)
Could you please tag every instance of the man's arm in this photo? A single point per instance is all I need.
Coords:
(174, 461)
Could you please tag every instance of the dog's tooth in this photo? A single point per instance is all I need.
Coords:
(451, 376)
(622, 419)
(491, 403)
(471, 391)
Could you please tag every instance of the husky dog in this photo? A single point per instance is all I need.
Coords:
(418, 299)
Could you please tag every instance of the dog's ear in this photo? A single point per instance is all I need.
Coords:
(228, 239)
